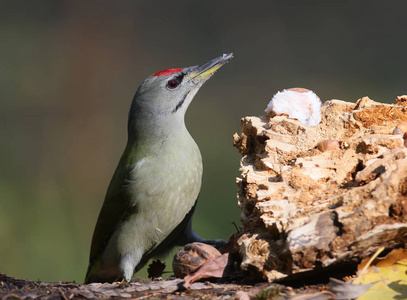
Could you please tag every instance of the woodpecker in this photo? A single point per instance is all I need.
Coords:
(151, 198)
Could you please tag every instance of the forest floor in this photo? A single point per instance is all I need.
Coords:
(12, 288)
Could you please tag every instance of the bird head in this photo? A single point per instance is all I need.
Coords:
(165, 96)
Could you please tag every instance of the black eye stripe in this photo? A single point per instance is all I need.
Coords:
(180, 103)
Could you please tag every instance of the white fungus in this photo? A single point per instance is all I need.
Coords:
(298, 103)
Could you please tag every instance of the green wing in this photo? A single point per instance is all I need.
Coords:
(119, 204)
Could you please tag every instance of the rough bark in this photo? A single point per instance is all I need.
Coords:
(304, 209)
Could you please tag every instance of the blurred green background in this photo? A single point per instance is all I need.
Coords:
(69, 70)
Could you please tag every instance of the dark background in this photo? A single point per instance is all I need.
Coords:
(69, 69)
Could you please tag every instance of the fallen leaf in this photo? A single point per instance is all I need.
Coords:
(156, 269)
(390, 273)
(391, 281)
(388, 260)
(191, 257)
(215, 267)
(347, 290)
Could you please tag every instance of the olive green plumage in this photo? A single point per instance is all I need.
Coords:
(150, 200)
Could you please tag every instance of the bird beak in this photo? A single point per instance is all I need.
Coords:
(210, 67)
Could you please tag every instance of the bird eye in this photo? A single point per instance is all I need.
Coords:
(172, 84)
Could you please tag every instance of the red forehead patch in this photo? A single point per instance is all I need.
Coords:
(167, 72)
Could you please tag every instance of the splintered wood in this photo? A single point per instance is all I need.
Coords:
(323, 196)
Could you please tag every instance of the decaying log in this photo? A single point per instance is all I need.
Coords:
(308, 206)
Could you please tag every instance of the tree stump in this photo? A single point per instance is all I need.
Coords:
(315, 198)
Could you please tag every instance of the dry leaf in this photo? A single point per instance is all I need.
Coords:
(156, 269)
(191, 257)
(390, 273)
(215, 267)
(347, 290)
(388, 260)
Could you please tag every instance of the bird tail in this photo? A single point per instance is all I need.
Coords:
(88, 274)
